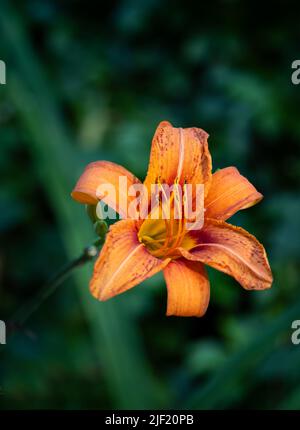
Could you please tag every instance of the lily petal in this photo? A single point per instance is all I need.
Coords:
(234, 251)
(99, 174)
(188, 288)
(123, 262)
(179, 153)
(229, 192)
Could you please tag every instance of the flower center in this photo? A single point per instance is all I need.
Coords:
(164, 235)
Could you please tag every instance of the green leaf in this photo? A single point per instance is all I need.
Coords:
(125, 369)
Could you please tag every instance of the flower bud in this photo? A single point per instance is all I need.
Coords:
(101, 228)
(91, 211)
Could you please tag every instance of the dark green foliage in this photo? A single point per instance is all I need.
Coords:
(86, 83)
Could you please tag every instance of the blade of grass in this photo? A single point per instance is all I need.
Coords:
(124, 365)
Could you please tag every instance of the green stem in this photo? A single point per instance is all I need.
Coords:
(114, 330)
(25, 312)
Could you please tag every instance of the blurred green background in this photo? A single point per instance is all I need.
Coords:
(88, 81)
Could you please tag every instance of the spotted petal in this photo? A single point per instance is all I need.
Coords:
(99, 174)
(123, 262)
(179, 153)
(229, 192)
(234, 251)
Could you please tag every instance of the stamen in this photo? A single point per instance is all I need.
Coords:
(181, 230)
(168, 232)
(167, 245)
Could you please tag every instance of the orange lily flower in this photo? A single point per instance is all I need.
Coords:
(137, 249)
